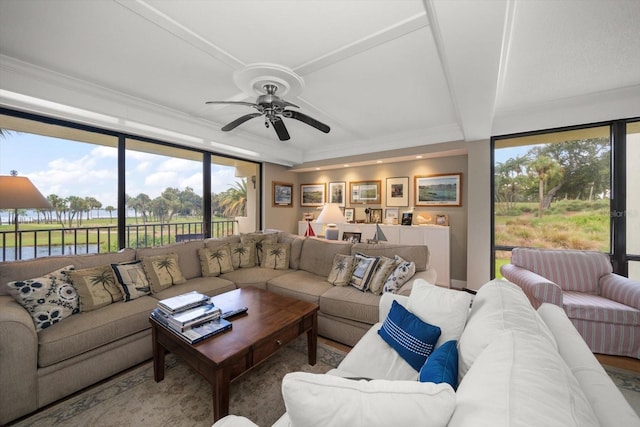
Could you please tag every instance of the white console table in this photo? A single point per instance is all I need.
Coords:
(436, 237)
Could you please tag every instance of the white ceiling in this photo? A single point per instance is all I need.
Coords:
(382, 74)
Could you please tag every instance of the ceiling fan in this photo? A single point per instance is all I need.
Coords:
(273, 108)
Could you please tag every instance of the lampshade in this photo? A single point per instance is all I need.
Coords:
(331, 215)
(18, 192)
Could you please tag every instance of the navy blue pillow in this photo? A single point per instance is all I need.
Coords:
(412, 338)
(442, 365)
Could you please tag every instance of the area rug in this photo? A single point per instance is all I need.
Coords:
(183, 398)
(628, 383)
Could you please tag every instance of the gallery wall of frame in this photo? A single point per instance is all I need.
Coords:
(392, 200)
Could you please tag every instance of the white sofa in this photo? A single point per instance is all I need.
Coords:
(517, 367)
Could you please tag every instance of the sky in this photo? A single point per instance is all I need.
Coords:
(68, 168)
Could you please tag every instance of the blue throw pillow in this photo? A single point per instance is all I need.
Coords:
(412, 338)
(442, 365)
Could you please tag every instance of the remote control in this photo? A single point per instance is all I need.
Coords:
(230, 313)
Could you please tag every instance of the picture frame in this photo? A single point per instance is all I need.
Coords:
(364, 192)
(349, 236)
(308, 216)
(350, 214)
(282, 194)
(312, 195)
(375, 216)
(442, 219)
(337, 193)
(438, 190)
(407, 218)
(391, 213)
(397, 193)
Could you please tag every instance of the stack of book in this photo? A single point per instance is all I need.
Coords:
(191, 316)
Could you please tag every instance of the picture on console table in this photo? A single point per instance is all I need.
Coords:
(349, 236)
(375, 216)
(350, 214)
(439, 190)
(407, 218)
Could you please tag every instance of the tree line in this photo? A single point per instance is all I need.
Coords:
(71, 210)
(577, 170)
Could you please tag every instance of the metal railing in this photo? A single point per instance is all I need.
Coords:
(30, 244)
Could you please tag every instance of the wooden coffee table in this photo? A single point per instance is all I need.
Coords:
(271, 322)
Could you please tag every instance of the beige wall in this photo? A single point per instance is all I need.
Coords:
(286, 218)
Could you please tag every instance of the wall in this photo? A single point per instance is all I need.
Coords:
(284, 218)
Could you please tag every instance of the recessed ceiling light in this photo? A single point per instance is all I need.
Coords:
(346, 166)
(317, 169)
(418, 157)
(379, 161)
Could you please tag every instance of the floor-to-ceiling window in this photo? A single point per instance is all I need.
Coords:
(633, 199)
(555, 189)
(118, 190)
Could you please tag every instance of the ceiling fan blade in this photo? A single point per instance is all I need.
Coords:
(281, 129)
(240, 120)
(248, 104)
(306, 119)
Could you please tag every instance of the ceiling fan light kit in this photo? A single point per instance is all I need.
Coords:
(257, 78)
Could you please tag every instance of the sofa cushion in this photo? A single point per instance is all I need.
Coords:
(349, 303)
(328, 400)
(386, 266)
(341, 269)
(96, 287)
(243, 255)
(403, 272)
(48, 299)
(594, 308)
(276, 256)
(187, 252)
(162, 271)
(442, 365)
(296, 243)
(215, 261)
(447, 308)
(205, 285)
(577, 271)
(499, 305)
(301, 285)
(364, 267)
(256, 276)
(521, 380)
(90, 330)
(131, 279)
(418, 254)
(412, 338)
(317, 255)
(259, 239)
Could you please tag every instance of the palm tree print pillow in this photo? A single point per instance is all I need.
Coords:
(341, 270)
(276, 255)
(243, 255)
(215, 261)
(162, 271)
(96, 287)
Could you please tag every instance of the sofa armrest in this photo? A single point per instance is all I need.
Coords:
(18, 361)
(428, 275)
(620, 289)
(538, 289)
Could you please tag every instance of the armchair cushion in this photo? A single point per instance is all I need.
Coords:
(595, 308)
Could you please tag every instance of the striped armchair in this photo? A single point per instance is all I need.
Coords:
(603, 306)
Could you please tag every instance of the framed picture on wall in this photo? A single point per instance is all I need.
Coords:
(312, 195)
(338, 192)
(397, 191)
(439, 190)
(365, 192)
(282, 195)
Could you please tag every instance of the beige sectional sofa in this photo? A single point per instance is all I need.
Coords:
(40, 367)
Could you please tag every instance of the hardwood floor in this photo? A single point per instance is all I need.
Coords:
(628, 363)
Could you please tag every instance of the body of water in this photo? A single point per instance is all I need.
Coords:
(30, 252)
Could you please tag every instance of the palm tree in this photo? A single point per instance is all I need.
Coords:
(104, 279)
(241, 251)
(234, 200)
(166, 263)
(217, 255)
(276, 252)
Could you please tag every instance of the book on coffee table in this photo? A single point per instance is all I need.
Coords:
(195, 333)
(194, 316)
(183, 302)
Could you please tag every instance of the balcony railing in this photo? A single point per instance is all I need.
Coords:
(86, 240)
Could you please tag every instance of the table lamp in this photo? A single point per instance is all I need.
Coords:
(331, 216)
